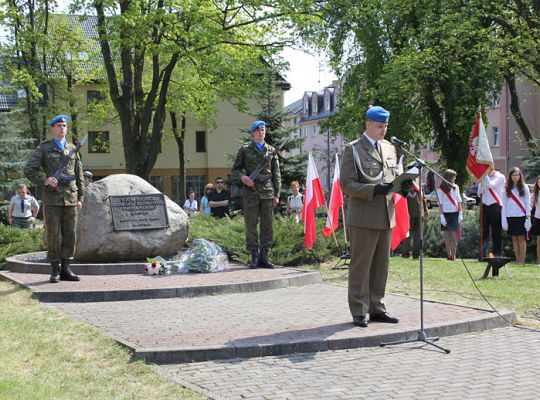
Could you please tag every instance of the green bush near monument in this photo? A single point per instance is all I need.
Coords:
(19, 241)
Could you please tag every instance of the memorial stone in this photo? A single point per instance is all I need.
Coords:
(125, 218)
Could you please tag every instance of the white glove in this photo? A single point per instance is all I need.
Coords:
(460, 218)
(504, 224)
(443, 220)
(527, 224)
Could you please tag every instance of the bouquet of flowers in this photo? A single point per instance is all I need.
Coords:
(156, 266)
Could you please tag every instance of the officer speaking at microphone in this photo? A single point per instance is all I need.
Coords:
(369, 165)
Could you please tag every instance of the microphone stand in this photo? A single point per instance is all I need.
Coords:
(422, 337)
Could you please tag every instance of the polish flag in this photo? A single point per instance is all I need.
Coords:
(479, 160)
(313, 199)
(336, 202)
(401, 231)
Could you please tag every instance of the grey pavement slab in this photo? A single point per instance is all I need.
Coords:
(96, 288)
(496, 364)
(282, 321)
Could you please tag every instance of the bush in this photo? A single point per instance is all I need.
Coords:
(19, 241)
(288, 248)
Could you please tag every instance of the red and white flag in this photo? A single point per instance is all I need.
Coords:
(479, 160)
(313, 199)
(336, 202)
(401, 231)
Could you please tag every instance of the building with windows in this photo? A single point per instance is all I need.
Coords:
(306, 115)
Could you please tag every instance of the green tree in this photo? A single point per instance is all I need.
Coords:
(428, 62)
(143, 42)
(14, 152)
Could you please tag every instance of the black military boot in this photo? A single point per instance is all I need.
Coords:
(66, 274)
(264, 262)
(254, 259)
(55, 274)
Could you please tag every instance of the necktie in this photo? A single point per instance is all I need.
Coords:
(22, 205)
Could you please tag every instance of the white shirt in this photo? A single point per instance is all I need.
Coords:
(510, 207)
(296, 202)
(444, 202)
(190, 206)
(29, 203)
(496, 183)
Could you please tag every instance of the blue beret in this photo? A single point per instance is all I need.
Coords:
(59, 118)
(256, 126)
(378, 114)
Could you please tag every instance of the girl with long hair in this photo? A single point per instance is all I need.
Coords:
(535, 202)
(516, 212)
(450, 212)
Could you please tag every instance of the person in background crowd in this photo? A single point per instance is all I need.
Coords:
(190, 205)
(417, 209)
(87, 175)
(260, 195)
(369, 166)
(535, 212)
(516, 212)
(491, 188)
(205, 208)
(295, 202)
(218, 199)
(62, 197)
(23, 208)
(450, 213)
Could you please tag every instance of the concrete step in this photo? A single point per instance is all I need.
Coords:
(124, 287)
(289, 320)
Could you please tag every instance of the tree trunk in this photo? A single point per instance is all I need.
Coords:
(179, 136)
(510, 79)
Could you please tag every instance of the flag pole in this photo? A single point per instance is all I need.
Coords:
(481, 257)
(344, 224)
(333, 233)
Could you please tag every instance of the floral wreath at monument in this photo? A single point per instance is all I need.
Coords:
(156, 266)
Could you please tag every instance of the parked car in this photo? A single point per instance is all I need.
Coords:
(432, 201)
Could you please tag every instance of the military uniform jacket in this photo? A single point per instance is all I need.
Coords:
(365, 210)
(247, 160)
(44, 161)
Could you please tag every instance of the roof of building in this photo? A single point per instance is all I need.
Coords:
(294, 107)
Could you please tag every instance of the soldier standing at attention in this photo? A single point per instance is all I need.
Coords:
(62, 197)
(369, 165)
(260, 195)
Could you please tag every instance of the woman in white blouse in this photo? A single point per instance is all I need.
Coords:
(190, 205)
(535, 203)
(450, 212)
(516, 212)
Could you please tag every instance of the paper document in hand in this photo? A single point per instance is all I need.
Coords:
(411, 174)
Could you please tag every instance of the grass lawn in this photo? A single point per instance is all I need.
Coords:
(45, 355)
(448, 281)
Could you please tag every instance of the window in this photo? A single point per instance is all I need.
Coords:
(304, 132)
(98, 142)
(495, 101)
(327, 102)
(196, 183)
(94, 97)
(157, 182)
(306, 106)
(314, 105)
(496, 137)
(314, 131)
(200, 142)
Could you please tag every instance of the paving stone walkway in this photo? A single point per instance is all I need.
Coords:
(496, 364)
(296, 319)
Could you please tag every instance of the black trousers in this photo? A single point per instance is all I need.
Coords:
(492, 221)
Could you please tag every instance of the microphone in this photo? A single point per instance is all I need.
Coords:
(397, 142)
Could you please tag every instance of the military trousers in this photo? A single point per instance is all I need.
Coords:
(414, 238)
(258, 212)
(368, 270)
(61, 224)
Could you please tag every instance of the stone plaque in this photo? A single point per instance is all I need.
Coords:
(139, 211)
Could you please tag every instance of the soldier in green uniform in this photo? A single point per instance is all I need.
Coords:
(62, 197)
(260, 195)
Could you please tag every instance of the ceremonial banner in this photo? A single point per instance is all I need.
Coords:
(479, 160)
(313, 199)
(336, 202)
